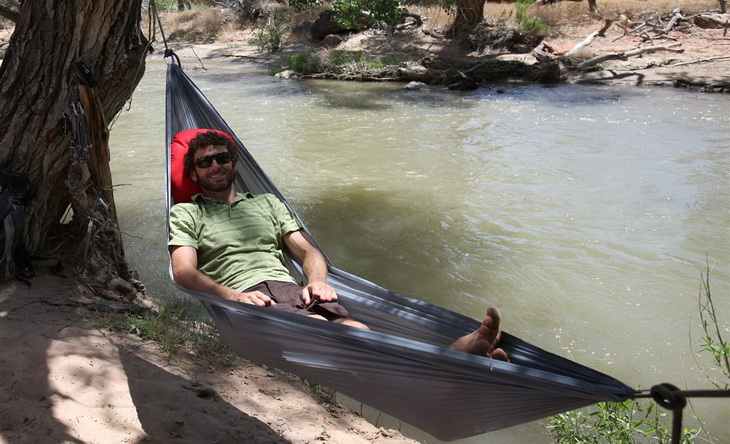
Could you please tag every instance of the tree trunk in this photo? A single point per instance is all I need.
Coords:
(38, 83)
(182, 5)
(593, 6)
(8, 13)
(468, 14)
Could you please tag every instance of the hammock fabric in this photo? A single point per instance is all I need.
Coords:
(400, 367)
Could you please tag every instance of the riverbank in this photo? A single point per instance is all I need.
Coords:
(68, 375)
(697, 57)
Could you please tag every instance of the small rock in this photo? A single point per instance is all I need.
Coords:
(331, 41)
(414, 85)
(286, 74)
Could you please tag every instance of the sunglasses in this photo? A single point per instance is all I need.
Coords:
(206, 161)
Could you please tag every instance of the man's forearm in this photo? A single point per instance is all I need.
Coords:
(315, 267)
(196, 280)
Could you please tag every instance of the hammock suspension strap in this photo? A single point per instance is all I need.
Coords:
(154, 22)
(674, 399)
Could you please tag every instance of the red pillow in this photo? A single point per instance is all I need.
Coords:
(183, 187)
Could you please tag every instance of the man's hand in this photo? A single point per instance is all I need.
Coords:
(318, 291)
(251, 297)
(314, 266)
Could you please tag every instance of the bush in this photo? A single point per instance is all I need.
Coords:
(624, 422)
(271, 32)
(166, 5)
(337, 62)
(353, 14)
(529, 24)
(310, 62)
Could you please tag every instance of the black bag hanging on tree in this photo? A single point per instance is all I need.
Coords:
(14, 258)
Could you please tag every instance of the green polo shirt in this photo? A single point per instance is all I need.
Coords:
(239, 245)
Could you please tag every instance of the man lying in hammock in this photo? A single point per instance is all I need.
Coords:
(230, 244)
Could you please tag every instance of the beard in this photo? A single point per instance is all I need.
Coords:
(219, 183)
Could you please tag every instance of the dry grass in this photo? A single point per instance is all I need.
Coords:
(565, 12)
(568, 13)
(435, 17)
(202, 25)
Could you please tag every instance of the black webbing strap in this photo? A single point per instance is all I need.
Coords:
(674, 399)
(154, 22)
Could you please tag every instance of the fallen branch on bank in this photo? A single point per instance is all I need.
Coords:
(588, 40)
(650, 29)
(676, 16)
(631, 53)
(710, 59)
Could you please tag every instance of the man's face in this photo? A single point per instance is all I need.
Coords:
(213, 168)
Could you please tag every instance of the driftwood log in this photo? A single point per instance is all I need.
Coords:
(588, 40)
(630, 53)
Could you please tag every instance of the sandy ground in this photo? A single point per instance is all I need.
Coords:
(66, 379)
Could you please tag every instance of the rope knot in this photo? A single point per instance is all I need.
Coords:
(669, 396)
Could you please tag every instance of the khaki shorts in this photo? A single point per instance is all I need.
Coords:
(288, 298)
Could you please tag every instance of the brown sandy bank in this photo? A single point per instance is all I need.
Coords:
(64, 377)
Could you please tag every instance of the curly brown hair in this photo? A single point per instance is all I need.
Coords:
(204, 140)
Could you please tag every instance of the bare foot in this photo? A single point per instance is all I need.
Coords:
(484, 340)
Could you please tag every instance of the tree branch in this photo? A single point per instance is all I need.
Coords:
(700, 61)
(631, 53)
(588, 40)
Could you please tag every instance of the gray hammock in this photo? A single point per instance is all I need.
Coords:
(402, 366)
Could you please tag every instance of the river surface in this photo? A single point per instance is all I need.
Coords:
(585, 213)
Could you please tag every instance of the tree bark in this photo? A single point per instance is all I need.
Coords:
(593, 7)
(38, 82)
(9, 13)
(468, 14)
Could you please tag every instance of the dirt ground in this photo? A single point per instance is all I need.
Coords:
(66, 378)
(662, 68)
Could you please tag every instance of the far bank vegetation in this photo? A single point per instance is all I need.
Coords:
(516, 27)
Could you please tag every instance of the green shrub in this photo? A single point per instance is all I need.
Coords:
(624, 422)
(166, 5)
(337, 62)
(529, 24)
(353, 14)
(271, 32)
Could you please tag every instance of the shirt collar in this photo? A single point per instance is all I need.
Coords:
(200, 197)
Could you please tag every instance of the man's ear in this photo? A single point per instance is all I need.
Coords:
(193, 176)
